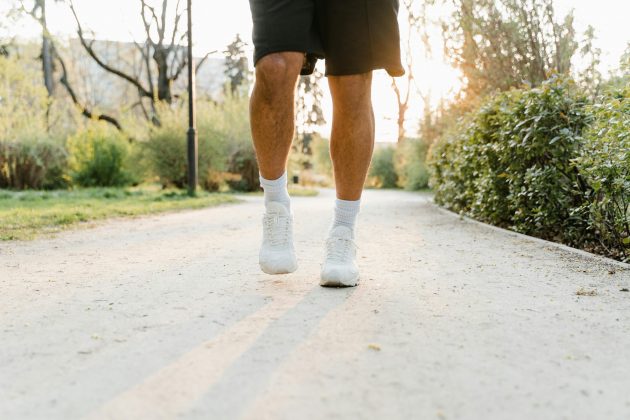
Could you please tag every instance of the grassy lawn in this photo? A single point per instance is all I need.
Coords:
(26, 214)
(303, 192)
(295, 192)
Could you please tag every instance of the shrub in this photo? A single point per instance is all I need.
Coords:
(410, 164)
(37, 164)
(511, 163)
(322, 163)
(230, 118)
(23, 104)
(382, 170)
(166, 150)
(225, 144)
(167, 147)
(605, 165)
(242, 162)
(29, 156)
(99, 156)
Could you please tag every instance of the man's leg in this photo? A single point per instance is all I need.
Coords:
(352, 138)
(272, 110)
(352, 144)
(272, 114)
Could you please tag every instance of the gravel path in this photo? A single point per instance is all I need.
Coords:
(169, 317)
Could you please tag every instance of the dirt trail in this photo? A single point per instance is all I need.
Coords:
(169, 317)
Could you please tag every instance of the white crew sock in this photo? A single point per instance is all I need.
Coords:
(346, 213)
(276, 190)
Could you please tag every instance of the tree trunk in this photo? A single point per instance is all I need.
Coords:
(402, 111)
(47, 51)
(163, 79)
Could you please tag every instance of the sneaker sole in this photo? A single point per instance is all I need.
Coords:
(277, 272)
(336, 283)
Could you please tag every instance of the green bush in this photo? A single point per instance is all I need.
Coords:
(166, 150)
(225, 144)
(543, 162)
(512, 163)
(231, 117)
(410, 164)
(382, 170)
(242, 162)
(29, 155)
(99, 157)
(167, 146)
(322, 163)
(605, 165)
(36, 164)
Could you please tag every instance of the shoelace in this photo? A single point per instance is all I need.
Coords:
(337, 249)
(277, 229)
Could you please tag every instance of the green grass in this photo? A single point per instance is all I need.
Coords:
(27, 214)
(303, 192)
(295, 192)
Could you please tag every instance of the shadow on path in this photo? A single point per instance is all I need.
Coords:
(249, 375)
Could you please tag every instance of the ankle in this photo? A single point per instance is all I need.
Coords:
(276, 190)
(346, 213)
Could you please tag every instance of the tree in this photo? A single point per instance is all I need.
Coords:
(48, 56)
(8, 42)
(25, 112)
(39, 13)
(624, 62)
(163, 56)
(416, 19)
(309, 113)
(237, 67)
(620, 77)
(501, 44)
(591, 78)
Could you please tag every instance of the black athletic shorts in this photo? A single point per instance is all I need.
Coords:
(354, 36)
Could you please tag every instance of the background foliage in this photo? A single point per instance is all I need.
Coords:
(547, 157)
(100, 157)
(526, 160)
(604, 163)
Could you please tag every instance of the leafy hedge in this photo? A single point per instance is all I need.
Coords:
(536, 162)
(605, 165)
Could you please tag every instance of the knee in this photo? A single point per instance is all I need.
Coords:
(278, 71)
(352, 93)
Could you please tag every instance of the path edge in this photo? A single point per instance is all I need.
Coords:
(563, 247)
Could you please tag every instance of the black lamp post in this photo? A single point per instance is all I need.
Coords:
(192, 118)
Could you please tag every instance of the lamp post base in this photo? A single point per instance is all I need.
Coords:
(192, 161)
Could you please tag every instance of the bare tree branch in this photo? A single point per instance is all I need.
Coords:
(203, 59)
(90, 50)
(182, 65)
(64, 80)
(162, 28)
(84, 110)
(414, 20)
(146, 23)
(178, 16)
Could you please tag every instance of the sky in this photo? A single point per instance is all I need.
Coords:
(216, 22)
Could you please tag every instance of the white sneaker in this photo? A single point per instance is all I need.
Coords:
(340, 266)
(277, 254)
